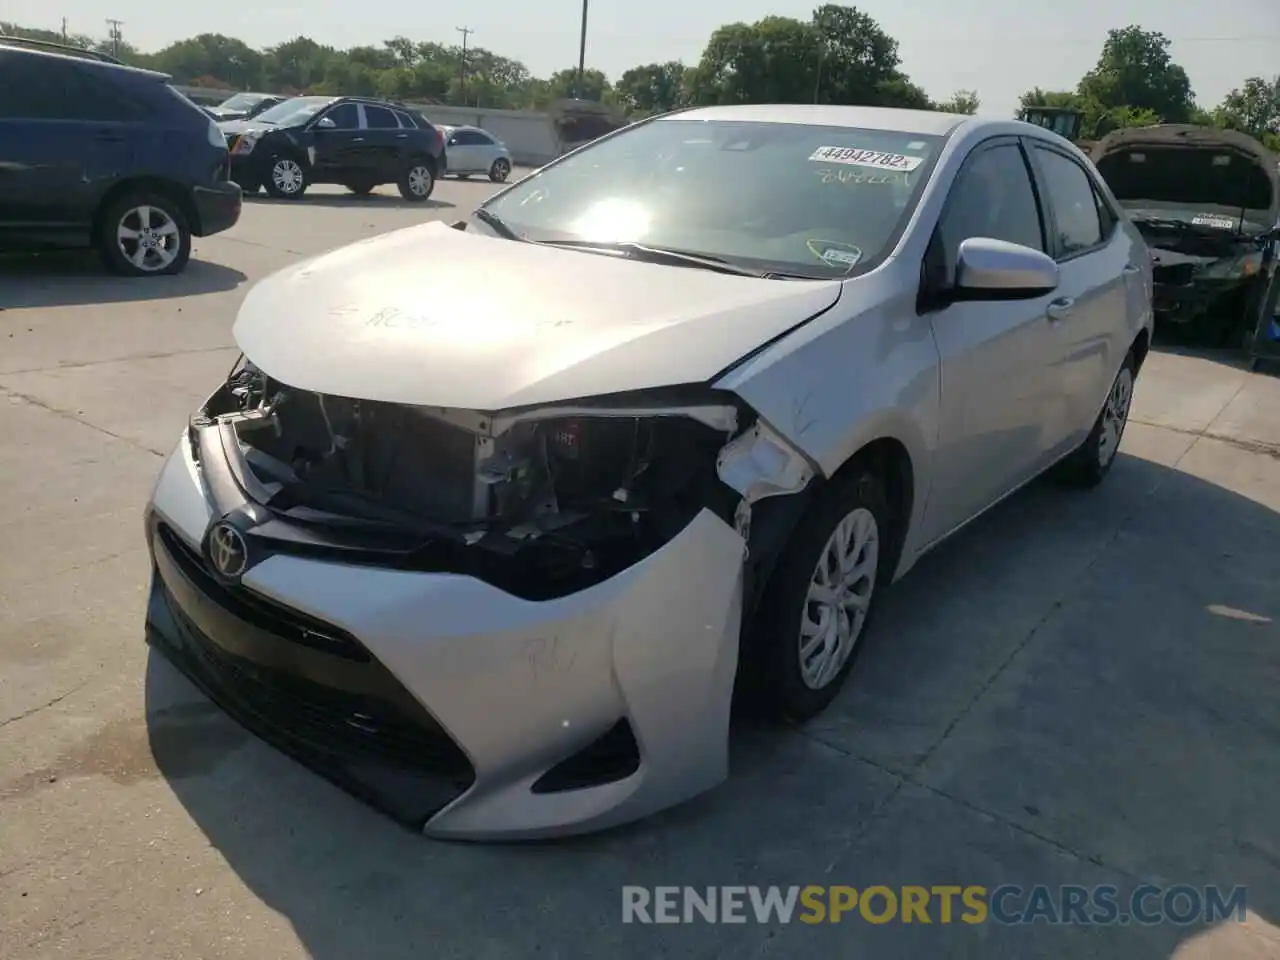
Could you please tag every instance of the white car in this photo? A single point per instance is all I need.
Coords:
(495, 519)
(471, 150)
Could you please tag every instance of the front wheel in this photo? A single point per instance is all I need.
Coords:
(500, 170)
(1090, 462)
(143, 234)
(417, 182)
(287, 179)
(817, 606)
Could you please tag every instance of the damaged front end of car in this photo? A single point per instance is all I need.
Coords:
(540, 503)
(1207, 202)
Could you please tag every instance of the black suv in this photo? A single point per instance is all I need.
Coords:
(95, 153)
(358, 142)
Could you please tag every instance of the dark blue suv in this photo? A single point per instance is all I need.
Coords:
(95, 153)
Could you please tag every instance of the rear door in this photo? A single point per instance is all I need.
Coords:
(463, 152)
(1088, 316)
(65, 135)
(999, 377)
(383, 146)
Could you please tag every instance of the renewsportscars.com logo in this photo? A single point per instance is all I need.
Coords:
(1007, 904)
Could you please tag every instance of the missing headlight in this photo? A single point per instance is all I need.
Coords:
(541, 504)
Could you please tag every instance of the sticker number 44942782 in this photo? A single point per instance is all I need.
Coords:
(866, 158)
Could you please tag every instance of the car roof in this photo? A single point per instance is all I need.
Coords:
(920, 122)
(65, 49)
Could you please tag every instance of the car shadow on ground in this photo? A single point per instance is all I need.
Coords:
(383, 198)
(1079, 688)
(77, 277)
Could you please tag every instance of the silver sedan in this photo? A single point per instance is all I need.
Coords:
(471, 150)
(494, 530)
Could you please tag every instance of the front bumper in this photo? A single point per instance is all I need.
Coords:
(217, 207)
(455, 707)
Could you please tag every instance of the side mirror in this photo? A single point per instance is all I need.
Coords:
(989, 269)
(324, 123)
(453, 141)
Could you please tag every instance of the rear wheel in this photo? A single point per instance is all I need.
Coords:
(286, 179)
(143, 234)
(1092, 460)
(817, 606)
(418, 180)
(500, 170)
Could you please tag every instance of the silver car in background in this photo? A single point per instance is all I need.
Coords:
(471, 150)
(497, 526)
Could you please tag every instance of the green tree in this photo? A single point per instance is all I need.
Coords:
(1135, 70)
(233, 62)
(962, 101)
(563, 84)
(1253, 108)
(652, 88)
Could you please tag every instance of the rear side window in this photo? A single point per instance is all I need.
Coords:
(405, 121)
(1073, 200)
(993, 197)
(379, 118)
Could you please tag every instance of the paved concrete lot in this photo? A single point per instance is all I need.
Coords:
(1079, 689)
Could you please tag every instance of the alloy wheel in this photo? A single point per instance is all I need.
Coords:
(419, 180)
(287, 176)
(839, 597)
(1115, 415)
(148, 237)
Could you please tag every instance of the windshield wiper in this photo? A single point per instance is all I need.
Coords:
(660, 255)
(494, 222)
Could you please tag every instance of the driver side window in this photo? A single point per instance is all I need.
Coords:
(993, 197)
(345, 116)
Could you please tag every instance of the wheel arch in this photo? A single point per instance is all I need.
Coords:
(164, 187)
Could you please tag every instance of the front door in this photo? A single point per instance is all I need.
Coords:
(334, 150)
(999, 381)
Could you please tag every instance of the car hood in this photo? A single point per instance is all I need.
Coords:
(244, 126)
(1177, 165)
(436, 316)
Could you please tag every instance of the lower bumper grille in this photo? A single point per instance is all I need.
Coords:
(362, 730)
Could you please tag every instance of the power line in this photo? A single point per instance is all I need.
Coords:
(114, 33)
(462, 61)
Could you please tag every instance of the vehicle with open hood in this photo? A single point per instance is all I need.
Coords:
(1208, 204)
(493, 521)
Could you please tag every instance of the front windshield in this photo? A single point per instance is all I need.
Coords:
(295, 110)
(242, 101)
(789, 198)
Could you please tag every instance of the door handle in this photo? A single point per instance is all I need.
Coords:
(108, 136)
(1131, 268)
(1061, 308)
(402, 136)
(357, 139)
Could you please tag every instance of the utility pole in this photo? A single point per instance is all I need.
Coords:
(462, 62)
(64, 29)
(114, 34)
(582, 49)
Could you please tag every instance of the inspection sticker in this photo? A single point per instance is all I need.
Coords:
(1219, 223)
(866, 158)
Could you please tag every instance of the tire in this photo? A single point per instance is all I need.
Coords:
(286, 178)
(1090, 462)
(500, 170)
(772, 681)
(417, 181)
(143, 234)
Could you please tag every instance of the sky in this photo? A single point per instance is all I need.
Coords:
(997, 47)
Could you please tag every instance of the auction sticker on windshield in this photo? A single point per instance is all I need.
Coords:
(866, 158)
(1219, 223)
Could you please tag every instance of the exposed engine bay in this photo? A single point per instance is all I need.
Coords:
(541, 504)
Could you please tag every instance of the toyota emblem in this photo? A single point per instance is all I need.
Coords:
(228, 551)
